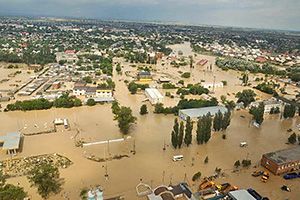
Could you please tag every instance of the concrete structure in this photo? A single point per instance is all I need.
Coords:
(269, 104)
(282, 161)
(195, 113)
(104, 93)
(154, 95)
(180, 191)
(240, 195)
(11, 142)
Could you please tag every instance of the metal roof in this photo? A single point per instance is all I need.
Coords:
(11, 141)
(241, 195)
(199, 112)
(154, 93)
(285, 155)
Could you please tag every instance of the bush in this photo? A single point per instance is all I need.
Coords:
(143, 109)
(246, 163)
(169, 86)
(186, 75)
(91, 102)
(196, 176)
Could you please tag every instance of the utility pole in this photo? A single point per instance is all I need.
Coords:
(164, 145)
(163, 177)
(214, 84)
(133, 151)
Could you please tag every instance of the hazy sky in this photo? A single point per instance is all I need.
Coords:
(276, 14)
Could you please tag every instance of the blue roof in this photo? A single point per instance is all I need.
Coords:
(11, 140)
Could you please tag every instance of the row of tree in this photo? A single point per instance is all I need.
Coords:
(181, 134)
(64, 101)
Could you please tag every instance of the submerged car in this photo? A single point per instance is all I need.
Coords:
(291, 175)
(257, 173)
(285, 188)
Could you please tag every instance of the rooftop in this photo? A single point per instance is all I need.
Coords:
(284, 155)
(10, 141)
(241, 195)
(199, 112)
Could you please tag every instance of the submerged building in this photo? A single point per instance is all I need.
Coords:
(11, 142)
(282, 161)
(195, 113)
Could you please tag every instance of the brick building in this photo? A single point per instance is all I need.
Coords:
(282, 161)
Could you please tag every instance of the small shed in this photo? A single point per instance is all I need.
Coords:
(11, 142)
(154, 95)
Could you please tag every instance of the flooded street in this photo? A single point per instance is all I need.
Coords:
(151, 164)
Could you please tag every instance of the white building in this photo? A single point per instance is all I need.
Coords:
(154, 95)
(269, 104)
(210, 85)
(195, 113)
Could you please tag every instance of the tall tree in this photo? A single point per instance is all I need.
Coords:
(181, 134)
(245, 78)
(188, 131)
(218, 121)
(289, 111)
(46, 178)
(125, 119)
(293, 138)
(226, 120)
(204, 129)
(208, 124)
(258, 113)
(175, 134)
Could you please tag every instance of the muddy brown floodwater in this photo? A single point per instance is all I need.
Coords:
(149, 134)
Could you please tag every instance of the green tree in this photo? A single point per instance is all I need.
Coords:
(87, 79)
(293, 138)
(204, 129)
(206, 160)
(132, 87)
(2, 179)
(218, 121)
(115, 107)
(246, 96)
(11, 192)
(118, 68)
(289, 111)
(175, 134)
(143, 109)
(196, 176)
(188, 131)
(258, 113)
(237, 164)
(125, 119)
(181, 134)
(245, 78)
(46, 178)
(226, 120)
(90, 102)
(77, 102)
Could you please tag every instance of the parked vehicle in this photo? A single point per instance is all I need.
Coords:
(291, 175)
(243, 144)
(265, 177)
(177, 158)
(257, 173)
(285, 188)
(254, 194)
